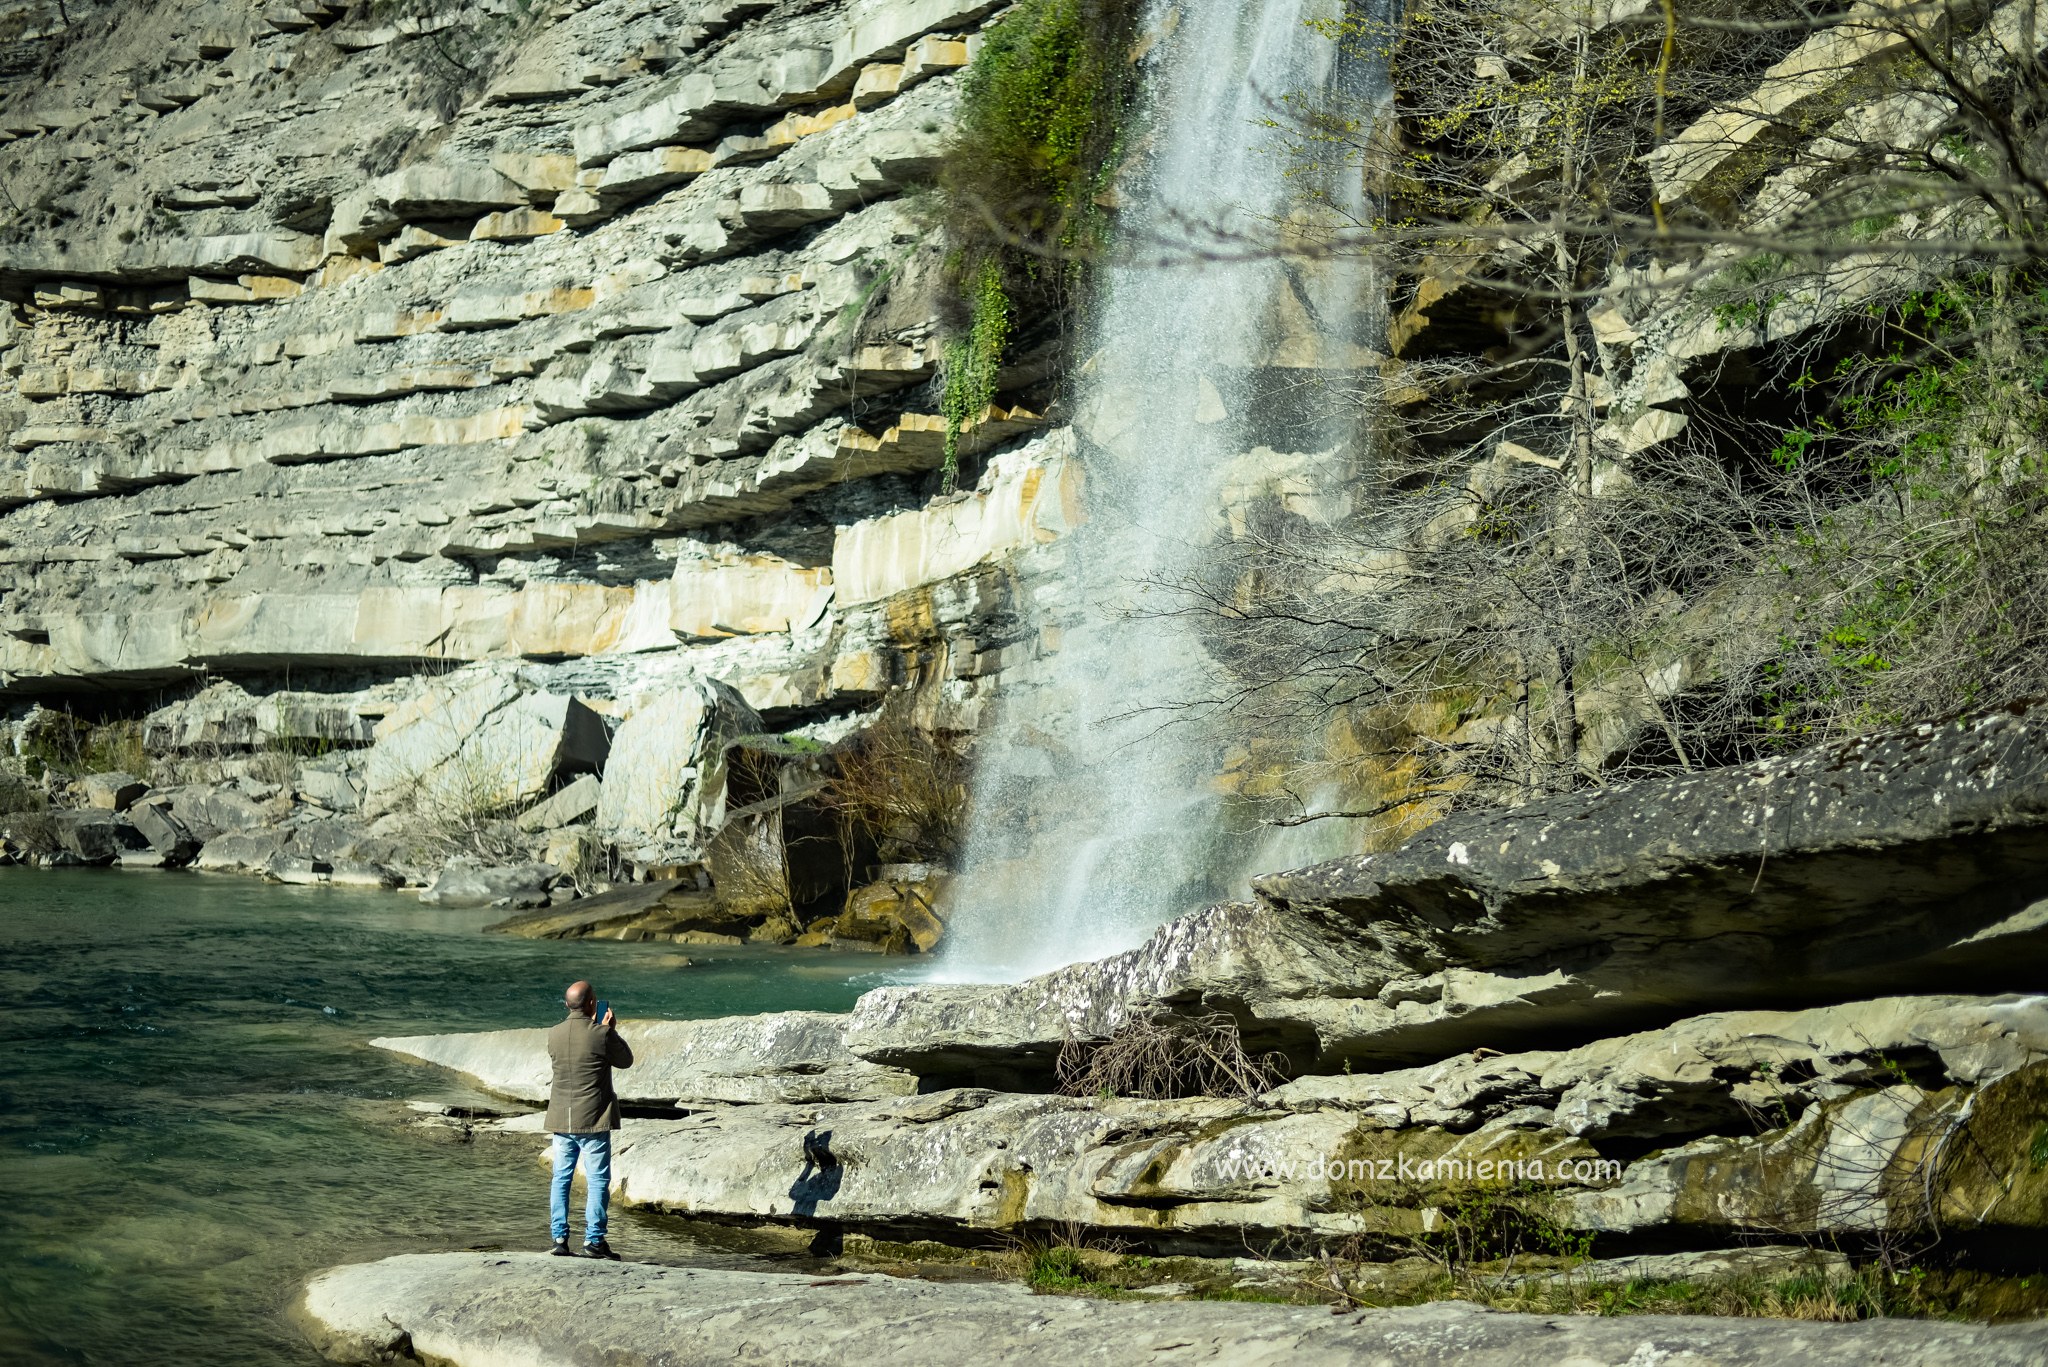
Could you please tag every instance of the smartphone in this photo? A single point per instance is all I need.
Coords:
(602, 1009)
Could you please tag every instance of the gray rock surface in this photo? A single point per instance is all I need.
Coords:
(1181, 1175)
(787, 1056)
(113, 792)
(1827, 1121)
(166, 834)
(467, 883)
(1705, 1072)
(1907, 861)
(242, 852)
(97, 837)
(472, 1309)
(575, 802)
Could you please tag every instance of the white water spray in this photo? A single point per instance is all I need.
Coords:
(1101, 802)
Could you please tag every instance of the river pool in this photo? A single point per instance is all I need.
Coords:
(191, 1119)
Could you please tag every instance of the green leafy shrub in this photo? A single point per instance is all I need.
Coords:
(1919, 581)
(60, 743)
(1042, 117)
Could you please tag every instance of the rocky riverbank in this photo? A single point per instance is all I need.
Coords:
(552, 846)
(1413, 1061)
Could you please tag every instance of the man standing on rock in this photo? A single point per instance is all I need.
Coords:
(583, 1110)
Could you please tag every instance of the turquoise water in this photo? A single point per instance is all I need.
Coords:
(191, 1120)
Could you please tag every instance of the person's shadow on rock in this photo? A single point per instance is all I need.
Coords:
(819, 1181)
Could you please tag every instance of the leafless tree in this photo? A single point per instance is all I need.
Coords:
(1714, 425)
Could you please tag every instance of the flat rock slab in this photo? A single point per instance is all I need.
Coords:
(787, 1056)
(472, 1309)
(638, 910)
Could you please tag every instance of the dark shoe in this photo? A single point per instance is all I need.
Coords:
(600, 1249)
(561, 1248)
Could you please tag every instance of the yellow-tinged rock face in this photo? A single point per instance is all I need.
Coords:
(1028, 501)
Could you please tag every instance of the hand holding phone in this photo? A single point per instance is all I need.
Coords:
(604, 1014)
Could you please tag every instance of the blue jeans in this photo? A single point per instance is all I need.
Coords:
(596, 1152)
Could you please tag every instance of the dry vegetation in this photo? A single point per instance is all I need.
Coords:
(1846, 533)
(1178, 1056)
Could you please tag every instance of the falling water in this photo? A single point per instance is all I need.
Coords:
(1101, 802)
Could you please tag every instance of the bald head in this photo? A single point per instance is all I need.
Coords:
(581, 997)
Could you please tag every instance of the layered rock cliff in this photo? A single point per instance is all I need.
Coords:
(348, 347)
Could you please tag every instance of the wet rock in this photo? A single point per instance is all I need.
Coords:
(467, 883)
(141, 859)
(469, 1309)
(354, 873)
(899, 912)
(1911, 861)
(788, 1056)
(662, 910)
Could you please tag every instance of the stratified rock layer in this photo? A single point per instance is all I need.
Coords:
(1900, 862)
(1882, 1114)
(470, 1309)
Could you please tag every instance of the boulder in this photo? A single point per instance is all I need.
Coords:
(576, 852)
(241, 852)
(900, 911)
(331, 784)
(1911, 861)
(357, 873)
(478, 742)
(469, 1309)
(574, 802)
(328, 839)
(97, 837)
(664, 790)
(113, 792)
(207, 811)
(225, 715)
(166, 834)
(795, 1057)
(466, 883)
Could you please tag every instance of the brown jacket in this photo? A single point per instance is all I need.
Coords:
(581, 1099)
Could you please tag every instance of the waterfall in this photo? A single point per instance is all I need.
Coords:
(1102, 804)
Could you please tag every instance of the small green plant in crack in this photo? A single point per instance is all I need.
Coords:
(973, 360)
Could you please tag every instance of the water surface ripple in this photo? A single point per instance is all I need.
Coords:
(191, 1119)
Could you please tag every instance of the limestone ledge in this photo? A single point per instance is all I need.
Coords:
(472, 1309)
(1026, 498)
(789, 1056)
